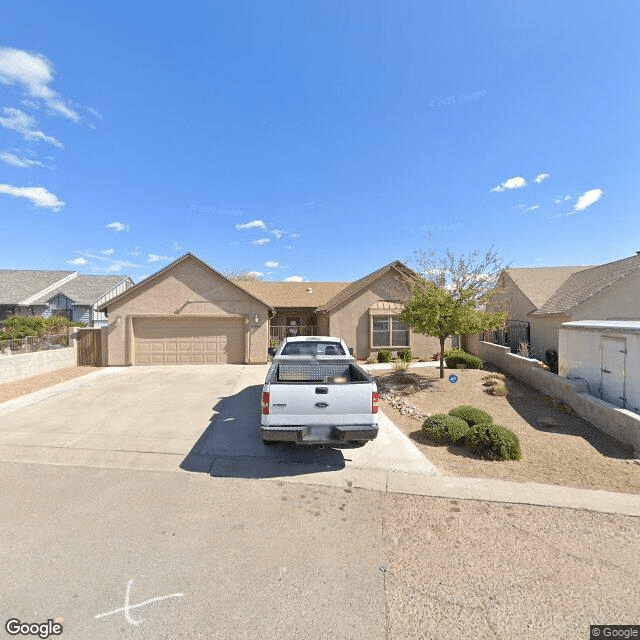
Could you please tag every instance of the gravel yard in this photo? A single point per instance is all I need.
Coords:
(10, 390)
(558, 447)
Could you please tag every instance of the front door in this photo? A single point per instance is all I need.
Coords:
(612, 376)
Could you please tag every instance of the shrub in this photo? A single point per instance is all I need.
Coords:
(453, 351)
(470, 415)
(400, 367)
(497, 390)
(405, 354)
(493, 442)
(472, 362)
(274, 342)
(445, 428)
(17, 327)
(491, 382)
(436, 356)
(496, 376)
(372, 360)
(384, 356)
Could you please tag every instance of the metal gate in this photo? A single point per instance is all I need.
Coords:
(89, 347)
(516, 335)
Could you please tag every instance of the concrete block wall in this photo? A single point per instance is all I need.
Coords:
(619, 423)
(24, 365)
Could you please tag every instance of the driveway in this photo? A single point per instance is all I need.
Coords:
(195, 418)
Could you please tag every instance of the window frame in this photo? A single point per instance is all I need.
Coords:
(389, 317)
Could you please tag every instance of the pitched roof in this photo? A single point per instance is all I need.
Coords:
(158, 273)
(294, 294)
(586, 283)
(84, 290)
(358, 285)
(17, 286)
(539, 283)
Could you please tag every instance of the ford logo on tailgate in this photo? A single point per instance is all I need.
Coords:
(322, 405)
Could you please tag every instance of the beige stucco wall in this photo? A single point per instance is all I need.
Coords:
(510, 299)
(209, 295)
(620, 301)
(350, 321)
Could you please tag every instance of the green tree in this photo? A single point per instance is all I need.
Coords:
(436, 312)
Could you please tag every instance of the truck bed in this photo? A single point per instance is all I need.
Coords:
(327, 372)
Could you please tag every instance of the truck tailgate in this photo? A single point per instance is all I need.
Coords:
(320, 404)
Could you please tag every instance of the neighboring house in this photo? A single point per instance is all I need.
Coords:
(189, 313)
(64, 293)
(538, 300)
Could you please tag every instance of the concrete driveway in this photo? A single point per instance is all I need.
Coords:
(195, 418)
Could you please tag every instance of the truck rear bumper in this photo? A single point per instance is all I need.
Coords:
(320, 434)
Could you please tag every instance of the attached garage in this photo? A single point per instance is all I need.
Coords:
(199, 340)
(187, 313)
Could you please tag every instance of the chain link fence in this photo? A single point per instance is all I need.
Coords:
(32, 343)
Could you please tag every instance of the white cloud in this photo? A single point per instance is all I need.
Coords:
(533, 207)
(295, 235)
(154, 257)
(254, 224)
(516, 182)
(288, 246)
(24, 124)
(294, 279)
(541, 177)
(135, 252)
(255, 274)
(277, 233)
(176, 246)
(117, 226)
(38, 196)
(587, 199)
(272, 264)
(34, 73)
(261, 242)
(108, 252)
(18, 161)
(78, 262)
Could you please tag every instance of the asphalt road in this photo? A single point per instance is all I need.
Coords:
(245, 558)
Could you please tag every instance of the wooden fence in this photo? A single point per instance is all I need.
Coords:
(89, 347)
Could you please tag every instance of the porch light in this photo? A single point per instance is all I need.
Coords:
(255, 318)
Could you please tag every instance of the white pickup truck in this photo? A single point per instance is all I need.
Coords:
(315, 393)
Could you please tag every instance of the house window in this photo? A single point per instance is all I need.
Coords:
(388, 331)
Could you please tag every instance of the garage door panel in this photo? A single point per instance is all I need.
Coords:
(188, 341)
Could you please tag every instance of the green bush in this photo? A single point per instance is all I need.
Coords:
(274, 342)
(384, 356)
(470, 415)
(405, 354)
(446, 429)
(18, 327)
(472, 362)
(493, 442)
(454, 351)
(497, 390)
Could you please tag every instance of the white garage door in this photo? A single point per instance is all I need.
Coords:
(188, 341)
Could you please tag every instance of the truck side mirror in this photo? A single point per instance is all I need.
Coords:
(271, 351)
(350, 350)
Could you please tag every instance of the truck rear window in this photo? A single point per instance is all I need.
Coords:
(313, 349)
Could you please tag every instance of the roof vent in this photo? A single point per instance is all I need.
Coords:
(310, 290)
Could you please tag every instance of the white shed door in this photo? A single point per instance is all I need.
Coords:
(612, 374)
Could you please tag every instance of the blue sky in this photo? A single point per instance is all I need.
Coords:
(317, 140)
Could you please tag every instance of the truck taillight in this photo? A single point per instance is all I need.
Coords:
(374, 402)
(265, 402)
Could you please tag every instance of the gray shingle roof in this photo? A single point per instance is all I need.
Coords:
(586, 283)
(358, 285)
(84, 290)
(19, 285)
(539, 283)
(294, 294)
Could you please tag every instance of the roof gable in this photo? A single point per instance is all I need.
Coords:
(539, 283)
(585, 284)
(84, 290)
(355, 287)
(158, 274)
(19, 287)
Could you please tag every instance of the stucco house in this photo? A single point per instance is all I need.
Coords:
(66, 293)
(538, 300)
(189, 313)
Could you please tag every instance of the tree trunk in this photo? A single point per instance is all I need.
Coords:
(442, 339)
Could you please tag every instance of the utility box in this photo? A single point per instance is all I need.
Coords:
(606, 354)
